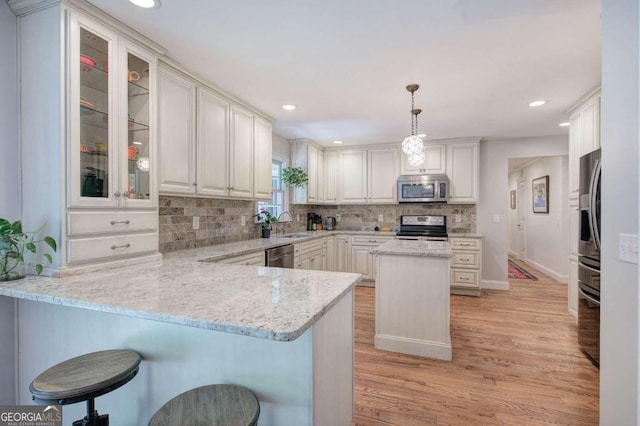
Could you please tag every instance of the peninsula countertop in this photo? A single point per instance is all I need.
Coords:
(415, 248)
(269, 303)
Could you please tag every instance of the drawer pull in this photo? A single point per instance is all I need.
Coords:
(465, 244)
(116, 222)
(113, 247)
(466, 259)
(464, 279)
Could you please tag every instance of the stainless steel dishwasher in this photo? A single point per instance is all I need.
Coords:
(280, 257)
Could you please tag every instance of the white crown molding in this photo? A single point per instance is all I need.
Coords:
(595, 92)
(25, 7)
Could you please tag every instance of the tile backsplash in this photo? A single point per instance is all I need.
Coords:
(220, 219)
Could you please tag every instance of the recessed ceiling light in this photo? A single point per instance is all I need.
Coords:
(137, 143)
(536, 103)
(289, 107)
(337, 142)
(147, 4)
(422, 135)
(565, 124)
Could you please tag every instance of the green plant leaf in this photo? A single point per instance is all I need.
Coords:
(48, 257)
(16, 227)
(38, 269)
(31, 247)
(51, 243)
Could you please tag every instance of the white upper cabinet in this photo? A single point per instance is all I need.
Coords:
(321, 177)
(330, 173)
(306, 155)
(312, 173)
(352, 177)
(212, 144)
(462, 169)
(241, 150)
(382, 175)
(584, 135)
(262, 159)
(210, 147)
(435, 162)
(176, 133)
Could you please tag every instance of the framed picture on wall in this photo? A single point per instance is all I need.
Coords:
(513, 199)
(540, 194)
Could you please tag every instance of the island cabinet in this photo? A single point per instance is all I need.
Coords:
(87, 133)
(362, 259)
(209, 145)
(466, 265)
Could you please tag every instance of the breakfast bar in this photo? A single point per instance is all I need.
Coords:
(287, 335)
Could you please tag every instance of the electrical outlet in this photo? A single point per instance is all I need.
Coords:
(628, 248)
(458, 218)
(496, 218)
(196, 222)
(243, 220)
(380, 217)
(337, 218)
(298, 217)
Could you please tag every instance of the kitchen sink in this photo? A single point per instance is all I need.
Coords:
(296, 236)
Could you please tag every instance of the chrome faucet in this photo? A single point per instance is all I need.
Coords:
(279, 216)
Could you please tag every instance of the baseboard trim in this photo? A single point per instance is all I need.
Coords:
(561, 278)
(513, 253)
(494, 285)
(406, 345)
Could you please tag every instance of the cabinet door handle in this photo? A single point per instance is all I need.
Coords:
(116, 194)
(113, 247)
(116, 222)
(195, 184)
(125, 194)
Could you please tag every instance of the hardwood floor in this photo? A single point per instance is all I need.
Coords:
(516, 361)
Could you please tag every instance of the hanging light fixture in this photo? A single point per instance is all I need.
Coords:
(412, 145)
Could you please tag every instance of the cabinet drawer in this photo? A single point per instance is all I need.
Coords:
(255, 259)
(85, 249)
(371, 239)
(93, 223)
(469, 259)
(464, 243)
(310, 246)
(464, 278)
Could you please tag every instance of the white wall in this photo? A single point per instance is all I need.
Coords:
(9, 186)
(619, 328)
(281, 146)
(494, 197)
(513, 213)
(543, 228)
(9, 157)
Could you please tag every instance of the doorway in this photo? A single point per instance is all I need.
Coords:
(521, 224)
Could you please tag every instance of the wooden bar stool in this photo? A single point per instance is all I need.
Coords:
(85, 378)
(224, 405)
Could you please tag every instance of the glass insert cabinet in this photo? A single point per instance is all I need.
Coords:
(111, 111)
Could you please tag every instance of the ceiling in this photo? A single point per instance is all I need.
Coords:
(345, 64)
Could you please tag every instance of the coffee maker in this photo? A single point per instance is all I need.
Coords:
(311, 221)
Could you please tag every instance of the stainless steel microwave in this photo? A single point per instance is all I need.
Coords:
(423, 188)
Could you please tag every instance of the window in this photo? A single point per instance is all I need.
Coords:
(279, 194)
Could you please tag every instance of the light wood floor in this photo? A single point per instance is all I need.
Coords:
(516, 361)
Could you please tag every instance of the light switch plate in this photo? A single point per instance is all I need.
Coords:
(458, 218)
(628, 248)
(196, 222)
(298, 217)
(380, 217)
(243, 220)
(496, 218)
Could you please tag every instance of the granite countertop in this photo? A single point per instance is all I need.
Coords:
(269, 303)
(415, 248)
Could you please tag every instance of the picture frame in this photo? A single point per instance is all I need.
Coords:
(512, 196)
(540, 194)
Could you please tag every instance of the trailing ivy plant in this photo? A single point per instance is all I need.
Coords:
(294, 176)
(14, 243)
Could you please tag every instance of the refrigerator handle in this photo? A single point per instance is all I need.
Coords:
(593, 224)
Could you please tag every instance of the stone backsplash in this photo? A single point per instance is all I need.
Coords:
(220, 219)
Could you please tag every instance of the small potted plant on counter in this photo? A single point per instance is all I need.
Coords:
(14, 243)
(294, 176)
(266, 219)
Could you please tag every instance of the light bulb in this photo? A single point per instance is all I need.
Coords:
(416, 159)
(412, 145)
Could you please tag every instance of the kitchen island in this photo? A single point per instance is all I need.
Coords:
(412, 298)
(285, 334)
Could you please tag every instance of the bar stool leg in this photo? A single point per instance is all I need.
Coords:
(92, 418)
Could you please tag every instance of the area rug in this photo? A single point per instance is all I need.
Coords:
(517, 272)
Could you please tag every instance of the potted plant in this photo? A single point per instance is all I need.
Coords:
(294, 176)
(266, 219)
(14, 243)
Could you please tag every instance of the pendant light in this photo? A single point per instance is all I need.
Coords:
(412, 145)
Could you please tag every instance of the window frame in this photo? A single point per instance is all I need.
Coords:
(285, 189)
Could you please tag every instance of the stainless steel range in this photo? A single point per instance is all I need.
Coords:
(429, 228)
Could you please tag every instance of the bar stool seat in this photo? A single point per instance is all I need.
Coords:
(84, 378)
(228, 405)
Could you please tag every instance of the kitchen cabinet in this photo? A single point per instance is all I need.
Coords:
(330, 173)
(362, 260)
(320, 177)
(176, 132)
(88, 135)
(435, 162)
(462, 169)
(227, 153)
(367, 176)
(306, 155)
(253, 259)
(466, 265)
(331, 253)
(342, 253)
(311, 255)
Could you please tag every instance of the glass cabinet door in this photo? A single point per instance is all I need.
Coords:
(137, 180)
(95, 172)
